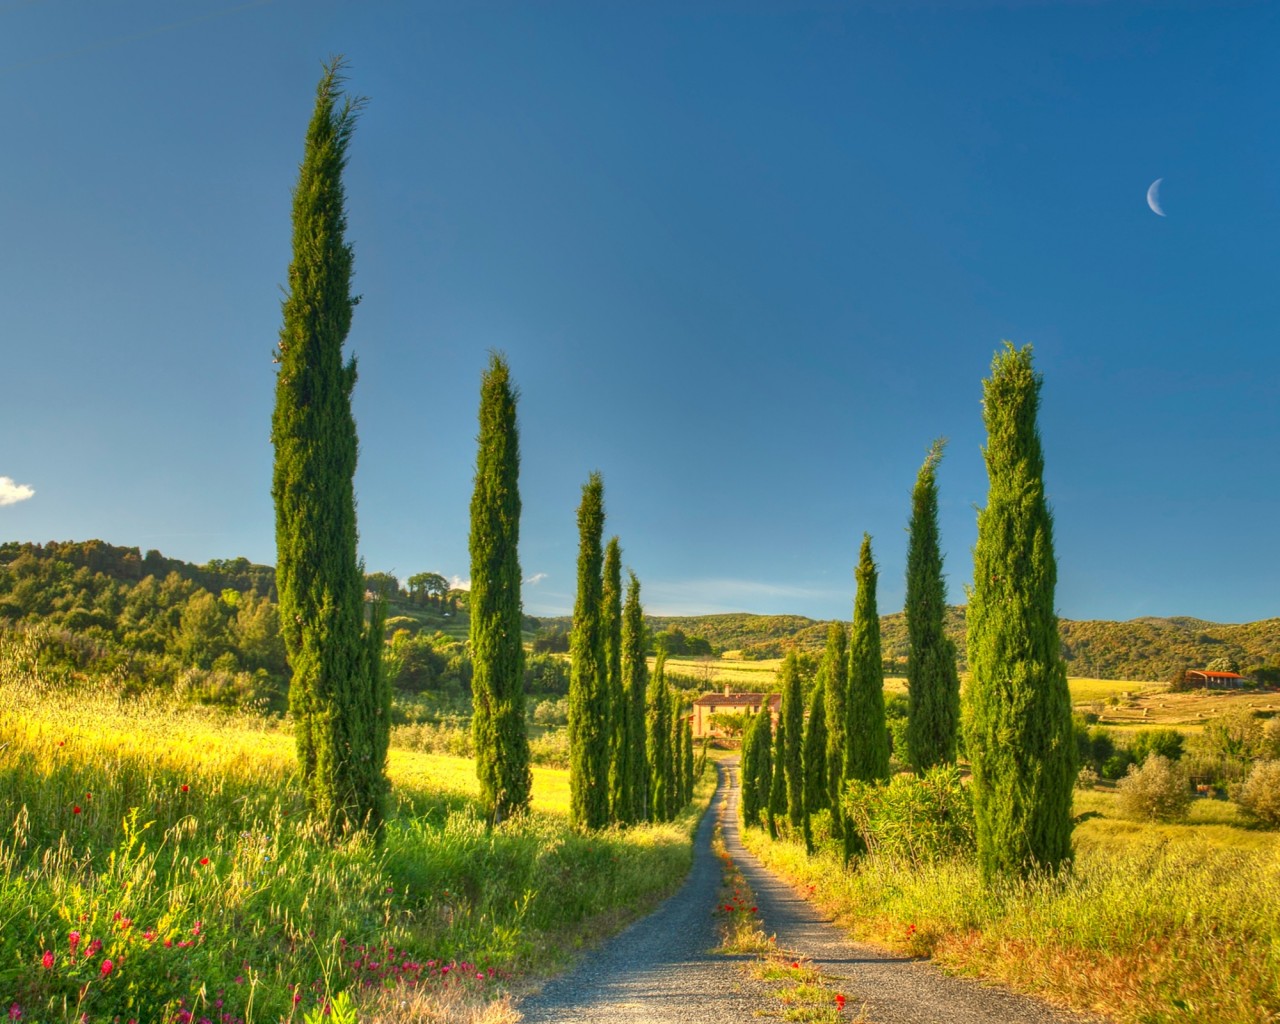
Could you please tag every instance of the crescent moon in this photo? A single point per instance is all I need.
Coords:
(1153, 197)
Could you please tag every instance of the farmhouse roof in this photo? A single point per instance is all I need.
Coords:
(743, 699)
(1215, 675)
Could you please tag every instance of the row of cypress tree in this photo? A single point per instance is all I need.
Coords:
(1017, 728)
(630, 744)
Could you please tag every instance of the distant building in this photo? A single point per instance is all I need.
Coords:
(729, 703)
(1196, 678)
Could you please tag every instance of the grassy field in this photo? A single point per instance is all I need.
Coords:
(1156, 924)
(156, 863)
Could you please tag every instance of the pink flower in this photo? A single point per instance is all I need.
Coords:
(74, 939)
(107, 967)
(47, 960)
(15, 1012)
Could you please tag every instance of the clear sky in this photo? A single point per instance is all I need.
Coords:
(746, 259)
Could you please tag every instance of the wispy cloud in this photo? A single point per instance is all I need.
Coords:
(710, 596)
(11, 493)
(458, 583)
(535, 579)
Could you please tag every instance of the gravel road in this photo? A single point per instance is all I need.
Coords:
(660, 970)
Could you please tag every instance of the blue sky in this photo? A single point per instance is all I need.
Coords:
(746, 259)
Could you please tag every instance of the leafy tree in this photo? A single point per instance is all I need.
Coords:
(589, 728)
(333, 694)
(383, 585)
(834, 673)
(658, 739)
(1018, 719)
(611, 622)
(866, 738)
(425, 587)
(793, 753)
(497, 654)
(815, 760)
(202, 634)
(933, 683)
(635, 674)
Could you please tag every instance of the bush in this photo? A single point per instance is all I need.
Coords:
(551, 749)
(432, 738)
(1165, 742)
(1260, 794)
(917, 819)
(1087, 778)
(1158, 791)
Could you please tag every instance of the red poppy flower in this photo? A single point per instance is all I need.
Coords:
(185, 787)
(204, 861)
(75, 809)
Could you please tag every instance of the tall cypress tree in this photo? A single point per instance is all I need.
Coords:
(635, 676)
(1018, 720)
(747, 805)
(589, 730)
(793, 756)
(867, 738)
(497, 654)
(675, 768)
(933, 683)
(687, 767)
(778, 777)
(761, 775)
(658, 738)
(835, 680)
(815, 759)
(334, 694)
(611, 620)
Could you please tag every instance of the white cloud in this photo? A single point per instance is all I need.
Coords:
(535, 579)
(11, 493)
(458, 583)
(711, 596)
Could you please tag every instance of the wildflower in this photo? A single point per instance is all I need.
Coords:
(839, 1002)
(15, 1012)
(184, 787)
(75, 809)
(795, 965)
(93, 948)
(204, 861)
(107, 967)
(753, 910)
(47, 960)
(74, 939)
(88, 797)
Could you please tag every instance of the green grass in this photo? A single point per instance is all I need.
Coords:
(1157, 923)
(173, 842)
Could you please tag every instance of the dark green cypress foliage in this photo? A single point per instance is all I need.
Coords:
(589, 730)
(497, 654)
(793, 717)
(1018, 719)
(747, 804)
(778, 777)
(675, 785)
(635, 676)
(658, 738)
(867, 741)
(761, 764)
(835, 680)
(815, 759)
(332, 696)
(687, 750)
(611, 619)
(932, 679)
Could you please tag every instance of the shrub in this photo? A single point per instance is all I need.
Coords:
(1165, 742)
(912, 818)
(551, 749)
(1087, 778)
(1158, 791)
(1260, 794)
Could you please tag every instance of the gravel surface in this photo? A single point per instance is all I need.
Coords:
(661, 971)
(894, 988)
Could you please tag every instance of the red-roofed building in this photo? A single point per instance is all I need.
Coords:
(1217, 680)
(728, 703)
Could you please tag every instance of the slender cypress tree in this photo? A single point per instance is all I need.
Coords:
(589, 729)
(334, 694)
(1018, 720)
(497, 655)
(867, 738)
(658, 740)
(835, 679)
(611, 619)
(778, 777)
(815, 759)
(933, 683)
(635, 675)
(676, 787)
(687, 767)
(748, 805)
(761, 763)
(793, 716)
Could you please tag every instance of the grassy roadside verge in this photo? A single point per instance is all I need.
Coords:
(156, 864)
(1173, 932)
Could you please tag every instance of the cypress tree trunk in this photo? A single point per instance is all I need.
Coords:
(588, 686)
(835, 679)
(611, 616)
(793, 716)
(867, 742)
(778, 777)
(497, 654)
(635, 676)
(333, 696)
(1018, 727)
(658, 741)
(933, 683)
(815, 760)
